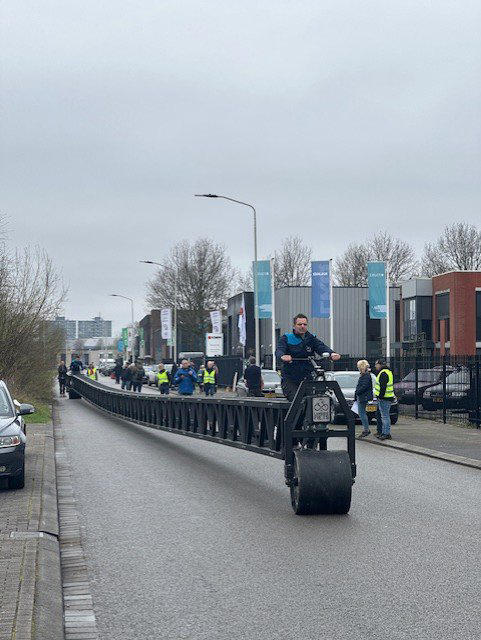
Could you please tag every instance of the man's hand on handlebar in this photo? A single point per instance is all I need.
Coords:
(332, 356)
(286, 358)
(335, 356)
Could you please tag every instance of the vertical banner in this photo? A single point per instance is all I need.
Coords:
(264, 294)
(376, 281)
(321, 289)
(241, 323)
(216, 320)
(166, 323)
(125, 337)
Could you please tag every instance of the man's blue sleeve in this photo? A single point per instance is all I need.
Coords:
(281, 349)
(320, 347)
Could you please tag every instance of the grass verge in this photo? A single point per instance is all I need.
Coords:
(42, 415)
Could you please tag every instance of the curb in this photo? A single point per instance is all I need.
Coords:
(48, 598)
(423, 451)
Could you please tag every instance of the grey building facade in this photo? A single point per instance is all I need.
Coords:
(95, 328)
(69, 327)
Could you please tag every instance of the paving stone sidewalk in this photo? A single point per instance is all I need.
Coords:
(445, 441)
(30, 587)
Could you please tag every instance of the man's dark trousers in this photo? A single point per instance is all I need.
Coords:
(289, 388)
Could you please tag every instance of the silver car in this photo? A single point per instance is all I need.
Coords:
(272, 385)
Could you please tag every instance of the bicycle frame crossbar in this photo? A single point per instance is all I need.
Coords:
(245, 423)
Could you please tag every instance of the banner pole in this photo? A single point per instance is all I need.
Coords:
(331, 310)
(388, 323)
(273, 316)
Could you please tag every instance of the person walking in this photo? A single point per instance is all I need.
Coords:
(209, 378)
(186, 378)
(118, 370)
(384, 392)
(163, 380)
(138, 375)
(76, 366)
(363, 395)
(298, 344)
(253, 379)
(62, 378)
(126, 377)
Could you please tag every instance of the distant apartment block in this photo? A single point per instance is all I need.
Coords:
(95, 328)
(69, 327)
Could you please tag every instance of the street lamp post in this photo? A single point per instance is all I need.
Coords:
(174, 341)
(256, 296)
(118, 295)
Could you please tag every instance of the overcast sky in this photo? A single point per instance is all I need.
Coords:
(334, 118)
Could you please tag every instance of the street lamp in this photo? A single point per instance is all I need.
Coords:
(118, 295)
(256, 297)
(174, 346)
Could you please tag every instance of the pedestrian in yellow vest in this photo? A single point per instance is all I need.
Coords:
(92, 372)
(384, 393)
(209, 378)
(163, 380)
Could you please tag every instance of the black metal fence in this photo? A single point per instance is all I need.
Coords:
(443, 388)
(246, 423)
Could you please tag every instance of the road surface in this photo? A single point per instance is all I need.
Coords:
(193, 540)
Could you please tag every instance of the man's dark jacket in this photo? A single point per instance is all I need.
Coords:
(363, 391)
(291, 344)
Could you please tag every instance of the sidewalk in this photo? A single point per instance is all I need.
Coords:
(434, 439)
(31, 605)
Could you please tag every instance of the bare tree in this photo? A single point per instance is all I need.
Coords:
(457, 249)
(244, 281)
(199, 276)
(351, 268)
(292, 263)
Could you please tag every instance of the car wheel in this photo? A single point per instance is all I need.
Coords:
(17, 482)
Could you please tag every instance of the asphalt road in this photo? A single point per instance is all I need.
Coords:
(192, 540)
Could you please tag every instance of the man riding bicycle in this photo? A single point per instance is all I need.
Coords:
(293, 346)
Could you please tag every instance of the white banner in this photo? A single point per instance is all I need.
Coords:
(214, 344)
(166, 323)
(216, 319)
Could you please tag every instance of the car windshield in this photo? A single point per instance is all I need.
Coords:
(345, 380)
(424, 375)
(271, 376)
(6, 410)
(458, 377)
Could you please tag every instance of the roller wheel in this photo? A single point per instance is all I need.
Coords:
(323, 482)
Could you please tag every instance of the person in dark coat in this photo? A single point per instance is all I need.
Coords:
(118, 370)
(363, 394)
(253, 379)
(138, 375)
(62, 377)
(298, 344)
(126, 378)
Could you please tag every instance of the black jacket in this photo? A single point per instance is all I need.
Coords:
(290, 344)
(126, 374)
(253, 377)
(363, 391)
(62, 372)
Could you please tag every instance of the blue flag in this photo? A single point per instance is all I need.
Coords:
(321, 289)
(263, 276)
(376, 280)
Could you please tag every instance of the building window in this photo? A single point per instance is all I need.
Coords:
(442, 313)
(478, 316)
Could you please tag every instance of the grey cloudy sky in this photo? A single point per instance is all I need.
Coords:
(332, 117)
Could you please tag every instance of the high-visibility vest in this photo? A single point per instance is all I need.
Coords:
(162, 377)
(209, 376)
(389, 393)
(93, 375)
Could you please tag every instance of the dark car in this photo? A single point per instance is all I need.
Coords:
(12, 439)
(347, 381)
(406, 389)
(457, 393)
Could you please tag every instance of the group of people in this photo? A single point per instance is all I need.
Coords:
(383, 392)
(186, 377)
(131, 376)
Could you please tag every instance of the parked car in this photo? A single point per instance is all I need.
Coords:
(272, 385)
(457, 392)
(107, 366)
(347, 381)
(12, 439)
(405, 390)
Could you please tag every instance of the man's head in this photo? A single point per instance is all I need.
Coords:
(380, 364)
(252, 360)
(300, 323)
(185, 364)
(210, 364)
(161, 366)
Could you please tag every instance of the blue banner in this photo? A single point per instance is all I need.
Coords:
(120, 345)
(263, 279)
(321, 289)
(376, 281)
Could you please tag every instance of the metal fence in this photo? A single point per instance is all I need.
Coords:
(443, 388)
